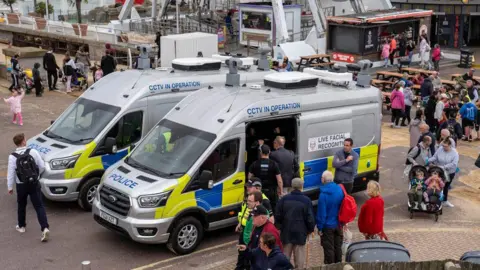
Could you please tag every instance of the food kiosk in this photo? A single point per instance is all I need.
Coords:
(257, 18)
(359, 36)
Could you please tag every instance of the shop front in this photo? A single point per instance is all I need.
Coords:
(360, 36)
(454, 24)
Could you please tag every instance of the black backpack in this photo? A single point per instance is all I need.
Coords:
(451, 128)
(407, 162)
(27, 169)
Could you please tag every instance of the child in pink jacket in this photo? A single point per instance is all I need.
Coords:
(15, 102)
(398, 105)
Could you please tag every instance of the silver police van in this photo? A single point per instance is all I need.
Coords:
(102, 125)
(187, 175)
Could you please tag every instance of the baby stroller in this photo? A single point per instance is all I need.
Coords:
(78, 78)
(434, 206)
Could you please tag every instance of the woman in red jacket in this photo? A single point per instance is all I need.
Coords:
(436, 55)
(370, 221)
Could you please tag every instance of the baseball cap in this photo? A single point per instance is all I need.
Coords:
(265, 149)
(260, 210)
(254, 183)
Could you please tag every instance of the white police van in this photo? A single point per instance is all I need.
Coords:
(102, 125)
(187, 175)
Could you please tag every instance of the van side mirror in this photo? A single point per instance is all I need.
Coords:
(206, 180)
(110, 145)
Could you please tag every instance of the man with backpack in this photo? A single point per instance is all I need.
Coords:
(328, 224)
(24, 168)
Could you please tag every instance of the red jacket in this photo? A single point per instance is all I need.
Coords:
(370, 220)
(269, 227)
(436, 54)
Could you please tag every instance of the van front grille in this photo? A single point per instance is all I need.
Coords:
(114, 200)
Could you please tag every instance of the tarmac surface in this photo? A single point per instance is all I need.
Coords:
(76, 237)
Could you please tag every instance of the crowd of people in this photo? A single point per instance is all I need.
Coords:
(276, 219)
(403, 47)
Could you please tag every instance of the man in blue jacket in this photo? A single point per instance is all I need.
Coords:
(345, 162)
(329, 202)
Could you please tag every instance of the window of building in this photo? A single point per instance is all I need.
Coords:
(223, 161)
(256, 20)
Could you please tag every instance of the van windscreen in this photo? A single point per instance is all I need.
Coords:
(170, 149)
(82, 121)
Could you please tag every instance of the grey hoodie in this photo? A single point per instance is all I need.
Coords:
(415, 133)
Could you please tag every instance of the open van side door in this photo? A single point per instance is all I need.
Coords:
(320, 134)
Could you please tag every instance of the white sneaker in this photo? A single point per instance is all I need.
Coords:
(45, 234)
(20, 229)
(447, 203)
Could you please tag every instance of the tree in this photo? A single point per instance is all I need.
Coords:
(78, 5)
(40, 9)
(9, 3)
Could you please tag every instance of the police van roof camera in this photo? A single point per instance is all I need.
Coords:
(116, 111)
(187, 175)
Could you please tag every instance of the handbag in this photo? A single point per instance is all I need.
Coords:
(477, 162)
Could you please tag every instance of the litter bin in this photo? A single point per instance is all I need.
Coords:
(466, 58)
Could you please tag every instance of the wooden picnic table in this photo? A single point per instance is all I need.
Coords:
(423, 72)
(386, 75)
(449, 84)
(314, 60)
(382, 83)
(476, 79)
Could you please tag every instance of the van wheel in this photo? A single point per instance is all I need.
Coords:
(186, 236)
(87, 193)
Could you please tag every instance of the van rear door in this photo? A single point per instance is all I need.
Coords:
(320, 134)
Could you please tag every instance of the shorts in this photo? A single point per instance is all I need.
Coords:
(467, 122)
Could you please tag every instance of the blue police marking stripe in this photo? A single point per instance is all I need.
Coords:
(313, 178)
(109, 160)
(39, 148)
(209, 199)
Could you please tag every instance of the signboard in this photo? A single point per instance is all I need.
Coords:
(370, 40)
(221, 37)
(327, 142)
(343, 57)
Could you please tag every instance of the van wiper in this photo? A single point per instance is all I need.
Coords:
(139, 166)
(54, 136)
(81, 140)
(176, 173)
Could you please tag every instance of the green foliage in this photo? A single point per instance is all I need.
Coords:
(41, 9)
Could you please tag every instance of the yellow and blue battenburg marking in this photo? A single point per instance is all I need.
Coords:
(86, 164)
(368, 156)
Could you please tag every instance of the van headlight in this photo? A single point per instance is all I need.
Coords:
(63, 163)
(154, 200)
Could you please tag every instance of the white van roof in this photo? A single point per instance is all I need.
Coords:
(123, 87)
(214, 109)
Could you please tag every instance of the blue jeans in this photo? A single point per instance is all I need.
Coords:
(23, 191)
(410, 56)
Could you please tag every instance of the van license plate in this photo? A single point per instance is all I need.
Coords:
(108, 218)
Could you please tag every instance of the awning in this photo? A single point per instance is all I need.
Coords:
(377, 16)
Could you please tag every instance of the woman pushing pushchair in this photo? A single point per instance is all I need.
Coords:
(429, 187)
